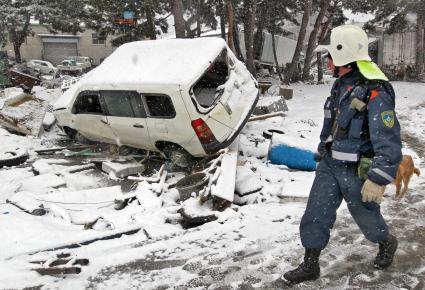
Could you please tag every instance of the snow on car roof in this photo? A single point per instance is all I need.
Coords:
(151, 62)
(169, 61)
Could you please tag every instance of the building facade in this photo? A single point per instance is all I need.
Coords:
(42, 44)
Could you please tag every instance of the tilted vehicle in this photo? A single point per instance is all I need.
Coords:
(42, 66)
(191, 96)
(70, 66)
(83, 61)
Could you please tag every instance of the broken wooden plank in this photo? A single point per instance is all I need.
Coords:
(266, 116)
(225, 186)
(154, 178)
(62, 261)
(58, 270)
(56, 149)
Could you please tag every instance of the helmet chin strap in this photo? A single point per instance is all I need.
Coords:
(336, 72)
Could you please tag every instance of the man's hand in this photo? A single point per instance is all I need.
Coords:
(372, 192)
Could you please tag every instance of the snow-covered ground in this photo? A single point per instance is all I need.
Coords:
(248, 246)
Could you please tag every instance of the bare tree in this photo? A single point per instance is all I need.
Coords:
(275, 58)
(150, 19)
(238, 50)
(221, 13)
(419, 44)
(179, 23)
(301, 36)
(323, 7)
(249, 7)
(323, 32)
(231, 20)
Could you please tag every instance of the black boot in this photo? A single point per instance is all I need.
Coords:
(387, 249)
(308, 270)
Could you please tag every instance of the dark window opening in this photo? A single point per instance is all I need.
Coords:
(205, 89)
(87, 103)
(160, 106)
(98, 38)
(124, 104)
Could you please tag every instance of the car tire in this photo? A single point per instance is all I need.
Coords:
(269, 133)
(179, 157)
(17, 157)
(71, 133)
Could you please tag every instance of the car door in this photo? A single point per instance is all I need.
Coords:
(127, 118)
(89, 117)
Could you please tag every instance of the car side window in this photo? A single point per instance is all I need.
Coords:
(87, 103)
(124, 104)
(160, 106)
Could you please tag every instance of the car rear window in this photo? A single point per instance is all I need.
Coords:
(124, 104)
(205, 89)
(160, 106)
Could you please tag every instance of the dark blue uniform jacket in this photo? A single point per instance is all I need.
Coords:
(349, 134)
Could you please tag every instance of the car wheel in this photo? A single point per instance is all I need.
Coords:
(13, 157)
(76, 136)
(179, 157)
(71, 133)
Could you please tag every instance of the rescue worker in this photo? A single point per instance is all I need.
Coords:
(359, 153)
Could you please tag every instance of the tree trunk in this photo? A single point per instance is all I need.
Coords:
(150, 20)
(231, 20)
(323, 6)
(419, 45)
(236, 43)
(275, 57)
(198, 18)
(258, 37)
(17, 50)
(222, 15)
(322, 36)
(301, 36)
(250, 7)
(179, 23)
(18, 38)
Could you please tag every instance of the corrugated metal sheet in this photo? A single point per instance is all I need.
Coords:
(285, 48)
(399, 48)
(55, 52)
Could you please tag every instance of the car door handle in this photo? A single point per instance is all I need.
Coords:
(103, 121)
(138, 126)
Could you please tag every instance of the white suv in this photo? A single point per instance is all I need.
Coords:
(186, 95)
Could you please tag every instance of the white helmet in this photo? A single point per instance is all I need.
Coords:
(348, 43)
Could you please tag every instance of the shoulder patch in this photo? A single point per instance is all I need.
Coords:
(388, 118)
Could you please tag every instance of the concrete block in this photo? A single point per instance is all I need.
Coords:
(287, 93)
(122, 169)
(270, 104)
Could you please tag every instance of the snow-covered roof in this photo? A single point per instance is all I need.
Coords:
(150, 62)
(165, 61)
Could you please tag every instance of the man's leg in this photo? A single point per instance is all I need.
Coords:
(320, 214)
(370, 221)
(319, 217)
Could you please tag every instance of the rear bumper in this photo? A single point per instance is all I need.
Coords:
(215, 146)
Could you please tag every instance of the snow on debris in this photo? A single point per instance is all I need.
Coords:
(253, 243)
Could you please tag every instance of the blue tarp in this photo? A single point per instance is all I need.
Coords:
(293, 157)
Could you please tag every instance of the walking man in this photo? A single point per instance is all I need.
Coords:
(359, 151)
